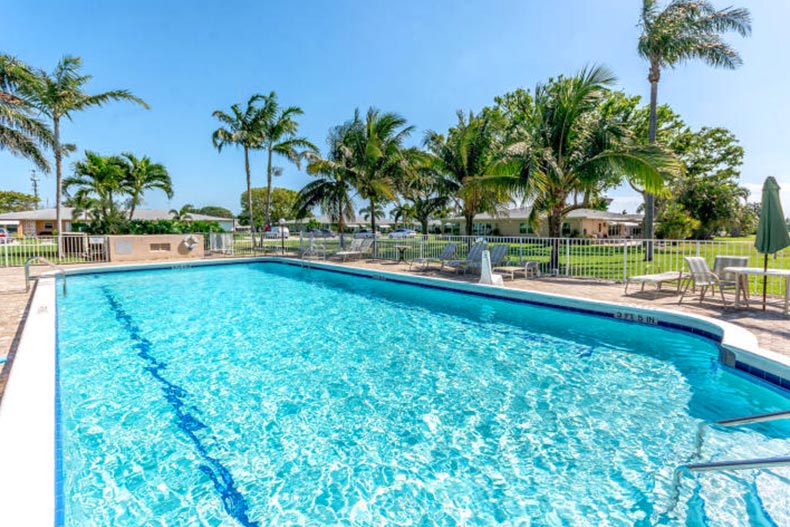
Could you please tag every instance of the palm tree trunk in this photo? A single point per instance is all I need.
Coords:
(268, 188)
(373, 225)
(555, 232)
(470, 221)
(133, 205)
(249, 194)
(58, 183)
(650, 206)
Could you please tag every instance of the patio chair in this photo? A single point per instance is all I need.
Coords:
(358, 247)
(447, 253)
(729, 280)
(475, 253)
(701, 276)
(497, 255)
(313, 249)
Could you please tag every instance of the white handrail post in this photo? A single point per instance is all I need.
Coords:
(567, 256)
(625, 261)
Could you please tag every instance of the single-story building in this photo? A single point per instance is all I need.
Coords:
(42, 221)
(589, 223)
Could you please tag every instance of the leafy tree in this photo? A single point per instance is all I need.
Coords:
(402, 213)
(95, 186)
(213, 210)
(570, 147)
(425, 191)
(377, 212)
(11, 201)
(470, 152)
(684, 30)
(21, 133)
(675, 223)
(279, 130)
(59, 95)
(141, 174)
(332, 190)
(241, 128)
(282, 201)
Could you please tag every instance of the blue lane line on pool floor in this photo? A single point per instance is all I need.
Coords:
(234, 502)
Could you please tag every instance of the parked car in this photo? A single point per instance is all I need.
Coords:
(366, 233)
(4, 236)
(323, 233)
(277, 232)
(403, 233)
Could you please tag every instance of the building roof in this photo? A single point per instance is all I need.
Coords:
(522, 213)
(66, 212)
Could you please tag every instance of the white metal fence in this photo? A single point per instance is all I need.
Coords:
(75, 248)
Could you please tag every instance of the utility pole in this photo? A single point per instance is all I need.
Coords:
(34, 180)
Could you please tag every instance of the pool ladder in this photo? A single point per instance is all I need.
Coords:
(41, 259)
(728, 465)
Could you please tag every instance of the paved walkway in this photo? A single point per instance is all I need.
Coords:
(13, 302)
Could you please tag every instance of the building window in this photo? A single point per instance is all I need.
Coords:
(566, 229)
(49, 225)
(525, 228)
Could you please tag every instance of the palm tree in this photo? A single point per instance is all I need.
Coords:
(377, 212)
(61, 94)
(242, 128)
(93, 189)
(684, 30)
(142, 174)
(21, 133)
(182, 214)
(569, 150)
(278, 129)
(402, 212)
(471, 152)
(332, 190)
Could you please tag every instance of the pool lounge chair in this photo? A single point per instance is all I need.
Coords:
(497, 255)
(475, 253)
(447, 253)
(358, 247)
(701, 276)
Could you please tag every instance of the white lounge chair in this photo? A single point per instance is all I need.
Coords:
(497, 255)
(655, 279)
(358, 247)
(447, 253)
(701, 276)
(474, 255)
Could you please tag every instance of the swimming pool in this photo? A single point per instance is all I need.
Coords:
(270, 394)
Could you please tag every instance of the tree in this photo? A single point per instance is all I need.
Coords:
(402, 212)
(11, 201)
(279, 132)
(59, 95)
(182, 214)
(141, 174)
(675, 223)
(570, 147)
(241, 128)
(376, 212)
(213, 210)
(282, 201)
(93, 189)
(21, 133)
(332, 190)
(684, 30)
(469, 153)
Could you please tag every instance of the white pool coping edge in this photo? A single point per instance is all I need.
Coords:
(27, 497)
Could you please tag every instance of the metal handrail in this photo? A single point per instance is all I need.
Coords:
(758, 418)
(737, 464)
(57, 269)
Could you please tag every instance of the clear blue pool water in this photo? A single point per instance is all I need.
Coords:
(267, 394)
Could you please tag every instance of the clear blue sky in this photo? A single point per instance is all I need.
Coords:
(424, 60)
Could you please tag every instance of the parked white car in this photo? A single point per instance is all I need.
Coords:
(365, 233)
(403, 233)
(277, 232)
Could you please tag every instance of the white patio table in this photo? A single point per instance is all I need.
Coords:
(758, 271)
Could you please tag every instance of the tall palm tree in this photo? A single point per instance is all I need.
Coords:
(21, 133)
(94, 187)
(402, 212)
(242, 128)
(182, 214)
(471, 152)
(569, 150)
(59, 95)
(141, 174)
(332, 191)
(376, 212)
(279, 130)
(684, 30)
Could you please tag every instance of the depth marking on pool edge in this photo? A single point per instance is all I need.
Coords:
(234, 502)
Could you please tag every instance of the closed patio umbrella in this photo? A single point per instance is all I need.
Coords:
(772, 234)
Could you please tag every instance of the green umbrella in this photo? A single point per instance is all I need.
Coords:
(772, 234)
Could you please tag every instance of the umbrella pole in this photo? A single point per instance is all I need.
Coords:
(765, 278)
